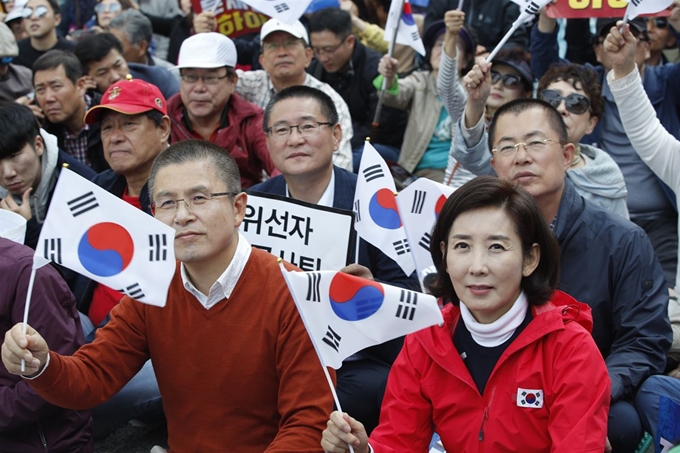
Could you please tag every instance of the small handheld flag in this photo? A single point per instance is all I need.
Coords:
(287, 11)
(377, 215)
(100, 236)
(345, 314)
(529, 8)
(400, 21)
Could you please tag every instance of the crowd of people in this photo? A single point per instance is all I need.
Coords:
(555, 258)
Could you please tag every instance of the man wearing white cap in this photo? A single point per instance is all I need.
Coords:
(285, 56)
(206, 107)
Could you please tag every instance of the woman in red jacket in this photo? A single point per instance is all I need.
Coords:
(513, 368)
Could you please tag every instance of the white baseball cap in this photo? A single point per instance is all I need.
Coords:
(207, 51)
(17, 12)
(297, 29)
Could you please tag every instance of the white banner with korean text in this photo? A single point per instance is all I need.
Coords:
(311, 237)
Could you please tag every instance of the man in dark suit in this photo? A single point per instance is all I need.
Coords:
(302, 133)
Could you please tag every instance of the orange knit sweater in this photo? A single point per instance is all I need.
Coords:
(242, 376)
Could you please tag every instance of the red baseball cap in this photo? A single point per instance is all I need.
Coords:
(129, 97)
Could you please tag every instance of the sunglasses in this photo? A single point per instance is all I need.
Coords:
(508, 80)
(39, 12)
(575, 103)
(111, 7)
(6, 60)
(659, 22)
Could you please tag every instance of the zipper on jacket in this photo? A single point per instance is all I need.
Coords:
(481, 428)
(42, 436)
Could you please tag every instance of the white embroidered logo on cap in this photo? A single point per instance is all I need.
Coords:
(530, 398)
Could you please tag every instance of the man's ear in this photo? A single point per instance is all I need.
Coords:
(142, 47)
(309, 54)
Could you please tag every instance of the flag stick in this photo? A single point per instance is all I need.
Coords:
(311, 337)
(383, 88)
(26, 308)
(625, 21)
(356, 255)
(460, 5)
(503, 41)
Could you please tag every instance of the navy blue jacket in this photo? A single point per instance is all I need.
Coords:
(383, 268)
(609, 263)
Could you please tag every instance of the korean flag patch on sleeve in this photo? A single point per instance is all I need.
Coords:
(530, 398)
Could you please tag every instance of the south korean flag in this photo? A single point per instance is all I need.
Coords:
(419, 206)
(287, 11)
(100, 236)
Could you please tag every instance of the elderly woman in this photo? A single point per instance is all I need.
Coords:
(514, 367)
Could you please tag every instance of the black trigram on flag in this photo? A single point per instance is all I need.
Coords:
(158, 247)
(332, 339)
(533, 8)
(373, 172)
(357, 211)
(635, 2)
(419, 197)
(401, 247)
(415, 36)
(134, 291)
(313, 281)
(407, 305)
(52, 250)
(281, 7)
(425, 241)
(82, 204)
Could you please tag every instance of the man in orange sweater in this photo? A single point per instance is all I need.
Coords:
(235, 366)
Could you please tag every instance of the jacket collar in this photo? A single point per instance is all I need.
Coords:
(571, 207)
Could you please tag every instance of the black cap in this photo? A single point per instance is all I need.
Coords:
(604, 24)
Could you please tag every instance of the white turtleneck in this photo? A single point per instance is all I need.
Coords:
(499, 331)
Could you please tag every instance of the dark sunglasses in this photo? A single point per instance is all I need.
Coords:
(6, 60)
(508, 80)
(575, 103)
(111, 7)
(659, 22)
(38, 11)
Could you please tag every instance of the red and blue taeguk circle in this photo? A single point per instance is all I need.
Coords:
(106, 249)
(439, 205)
(407, 14)
(530, 398)
(383, 209)
(354, 298)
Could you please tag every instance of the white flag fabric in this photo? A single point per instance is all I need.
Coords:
(528, 8)
(637, 7)
(345, 314)
(287, 11)
(100, 236)
(407, 30)
(375, 206)
(419, 206)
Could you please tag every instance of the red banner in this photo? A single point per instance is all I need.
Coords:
(234, 18)
(590, 8)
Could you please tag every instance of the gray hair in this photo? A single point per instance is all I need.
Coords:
(135, 25)
(198, 150)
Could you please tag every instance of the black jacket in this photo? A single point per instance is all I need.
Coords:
(609, 263)
(356, 87)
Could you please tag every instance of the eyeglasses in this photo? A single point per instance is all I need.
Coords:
(329, 49)
(307, 129)
(111, 7)
(193, 203)
(208, 80)
(39, 12)
(575, 103)
(508, 80)
(6, 60)
(534, 147)
(659, 22)
(273, 46)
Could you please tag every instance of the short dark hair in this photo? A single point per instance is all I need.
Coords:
(198, 150)
(335, 20)
(576, 74)
(492, 192)
(518, 106)
(135, 25)
(95, 48)
(55, 58)
(19, 127)
(302, 92)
